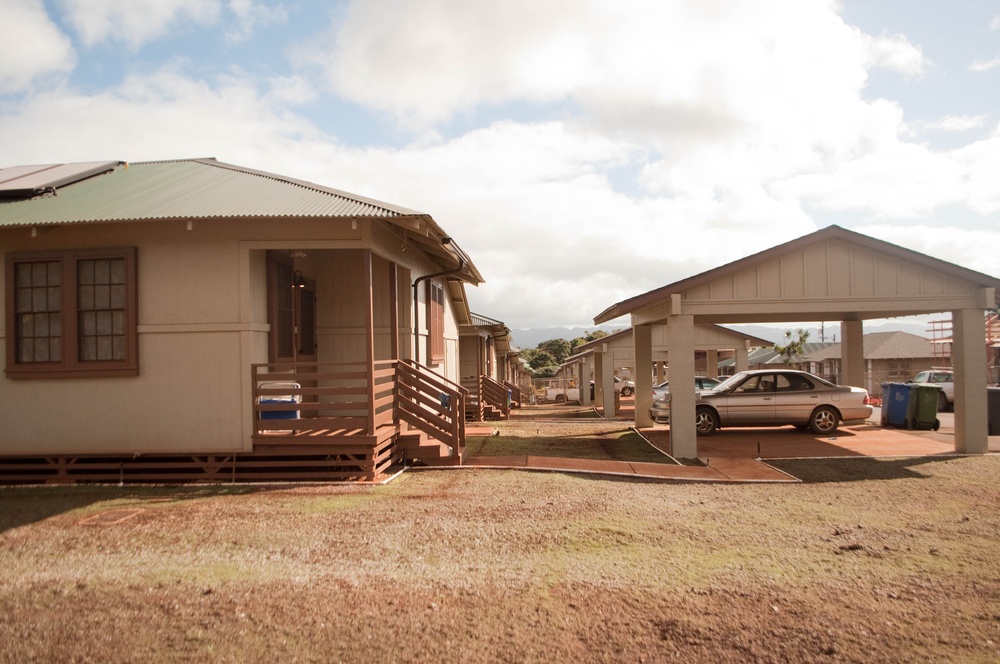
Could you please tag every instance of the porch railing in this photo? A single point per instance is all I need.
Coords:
(495, 394)
(431, 403)
(516, 395)
(341, 398)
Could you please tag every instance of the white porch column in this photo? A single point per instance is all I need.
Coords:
(642, 339)
(680, 347)
(969, 361)
(852, 352)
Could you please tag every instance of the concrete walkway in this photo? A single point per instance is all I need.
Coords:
(736, 455)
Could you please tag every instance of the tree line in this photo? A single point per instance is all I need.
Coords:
(545, 358)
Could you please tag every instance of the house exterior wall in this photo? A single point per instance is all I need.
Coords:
(202, 323)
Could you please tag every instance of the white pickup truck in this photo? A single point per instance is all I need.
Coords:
(943, 378)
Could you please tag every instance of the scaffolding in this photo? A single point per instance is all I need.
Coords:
(941, 334)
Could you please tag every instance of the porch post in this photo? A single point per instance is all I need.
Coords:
(369, 336)
(394, 311)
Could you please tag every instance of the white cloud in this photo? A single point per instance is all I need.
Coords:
(251, 15)
(896, 53)
(135, 22)
(948, 243)
(995, 23)
(684, 136)
(955, 123)
(31, 46)
(985, 65)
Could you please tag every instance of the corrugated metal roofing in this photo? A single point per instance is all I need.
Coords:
(27, 181)
(190, 189)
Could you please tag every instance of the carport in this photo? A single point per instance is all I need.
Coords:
(831, 275)
(615, 351)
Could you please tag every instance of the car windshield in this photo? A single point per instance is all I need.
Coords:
(729, 382)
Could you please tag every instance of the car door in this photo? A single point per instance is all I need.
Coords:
(795, 398)
(751, 403)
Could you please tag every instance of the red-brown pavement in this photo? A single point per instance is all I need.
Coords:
(738, 455)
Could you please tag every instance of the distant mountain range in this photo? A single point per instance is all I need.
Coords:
(530, 338)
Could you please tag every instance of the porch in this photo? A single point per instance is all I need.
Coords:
(312, 421)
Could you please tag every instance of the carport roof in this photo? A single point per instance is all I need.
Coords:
(914, 260)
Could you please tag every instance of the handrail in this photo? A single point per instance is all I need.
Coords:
(349, 398)
(495, 394)
(432, 403)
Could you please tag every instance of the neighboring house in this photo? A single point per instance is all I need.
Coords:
(890, 357)
(192, 319)
(487, 370)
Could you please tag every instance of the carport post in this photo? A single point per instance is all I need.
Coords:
(968, 334)
(680, 349)
(642, 339)
(584, 382)
(606, 377)
(852, 352)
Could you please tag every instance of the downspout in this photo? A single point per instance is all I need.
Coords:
(416, 298)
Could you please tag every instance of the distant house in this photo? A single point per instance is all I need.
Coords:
(489, 369)
(889, 357)
(197, 320)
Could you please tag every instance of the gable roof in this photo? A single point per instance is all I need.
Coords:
(883, 346)
(207, 189)
(919, 261)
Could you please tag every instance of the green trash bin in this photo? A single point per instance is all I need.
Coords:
(921, 411)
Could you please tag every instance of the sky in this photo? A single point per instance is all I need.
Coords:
(581, 152)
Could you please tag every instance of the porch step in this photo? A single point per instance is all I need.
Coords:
(418, 445)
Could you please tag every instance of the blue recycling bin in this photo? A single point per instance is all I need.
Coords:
(895, 404)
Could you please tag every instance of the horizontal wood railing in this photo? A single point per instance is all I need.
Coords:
(341, 398)
(311, 396)
(495, 394)
(431, 403)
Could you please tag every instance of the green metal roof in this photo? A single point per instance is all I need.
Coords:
(189, 189)
(208, 189)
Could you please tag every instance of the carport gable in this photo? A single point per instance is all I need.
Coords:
(832, 274)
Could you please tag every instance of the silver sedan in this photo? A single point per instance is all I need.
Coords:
(768, 398)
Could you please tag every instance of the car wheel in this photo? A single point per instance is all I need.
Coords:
(626, 391)
(942, 402)
(824, 420)
(706, 422)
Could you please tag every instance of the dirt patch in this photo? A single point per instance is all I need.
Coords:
(490, 565)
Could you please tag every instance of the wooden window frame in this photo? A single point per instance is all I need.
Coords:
(71, 365)
(435, 323)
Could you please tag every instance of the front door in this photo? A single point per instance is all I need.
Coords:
(291, 299)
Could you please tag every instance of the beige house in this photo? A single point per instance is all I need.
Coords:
(831, 275)
(200, 320)
(890, 357)
(488, 369)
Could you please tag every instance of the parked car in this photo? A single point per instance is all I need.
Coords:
(700, 383)
(943, 378)
(624, 387)
(768, 398)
